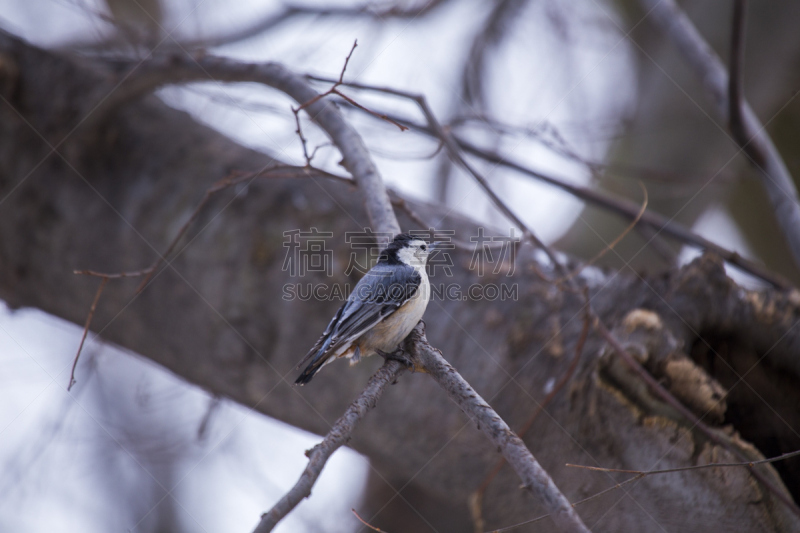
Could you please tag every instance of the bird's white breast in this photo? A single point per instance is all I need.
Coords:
(389, 333)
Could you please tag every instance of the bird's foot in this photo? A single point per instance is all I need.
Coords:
(398, 355)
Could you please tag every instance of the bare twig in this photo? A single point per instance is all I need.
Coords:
(749, 464)
(335, 90)
(579, 502)
(533, 476)
(747, 131)
(610, 246)
(370, 111)
(86, 329)
(373, 528)
(338, 436)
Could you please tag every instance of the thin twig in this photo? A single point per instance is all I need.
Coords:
(373, 528)
(370, 111)
(610, 246)
(750, 464)
(335, 90)
(88, 323)
(299, 132)
(339, 434)
(579, 502)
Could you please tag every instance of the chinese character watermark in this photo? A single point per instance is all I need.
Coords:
(503, 256)
(306, 252)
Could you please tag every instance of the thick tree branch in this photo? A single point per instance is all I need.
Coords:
(337, 437)
(748, 133)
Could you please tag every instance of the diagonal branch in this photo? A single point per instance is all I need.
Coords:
(533, 476)
(747, 131)
(338, 436)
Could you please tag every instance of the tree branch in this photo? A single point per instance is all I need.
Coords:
(338, 436)
(736, 78)
(748, 132)
(533, 476)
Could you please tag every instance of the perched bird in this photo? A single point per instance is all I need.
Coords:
(381, 311)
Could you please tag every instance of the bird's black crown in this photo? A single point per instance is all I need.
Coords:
(389, 254)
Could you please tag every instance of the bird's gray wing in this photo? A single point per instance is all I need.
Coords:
(379, 293)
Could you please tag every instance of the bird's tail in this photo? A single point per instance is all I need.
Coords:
(310, 370)
(317, 356)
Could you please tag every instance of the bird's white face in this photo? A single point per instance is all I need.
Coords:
(415, 254)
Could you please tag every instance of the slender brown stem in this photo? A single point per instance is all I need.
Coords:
(88, 323)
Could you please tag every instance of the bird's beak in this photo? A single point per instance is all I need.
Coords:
(434, 245)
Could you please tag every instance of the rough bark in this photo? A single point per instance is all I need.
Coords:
(110, 199)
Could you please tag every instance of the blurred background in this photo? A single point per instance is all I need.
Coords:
(587, 91)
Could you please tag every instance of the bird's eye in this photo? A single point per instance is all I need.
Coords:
(423, 247)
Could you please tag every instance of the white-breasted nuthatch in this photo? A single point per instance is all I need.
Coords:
(381, 311)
